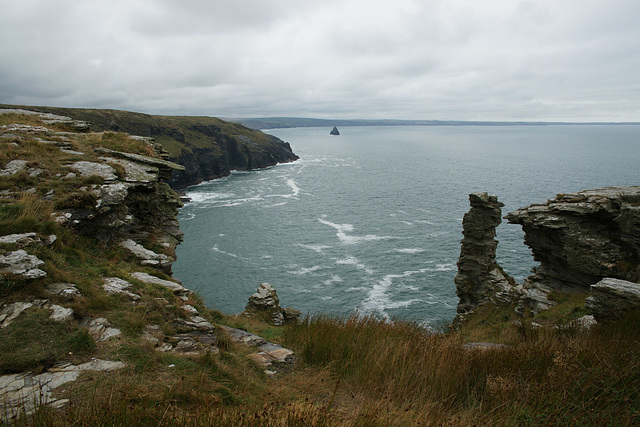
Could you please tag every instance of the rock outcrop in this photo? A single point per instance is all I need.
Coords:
(266, 301)
(613, 298)
(583, 237)
(334, 131)
(480, 278)
(579, 239)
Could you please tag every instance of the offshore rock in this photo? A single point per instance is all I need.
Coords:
(613, 299)
(580, 239)
(334, 131)
(480, 279)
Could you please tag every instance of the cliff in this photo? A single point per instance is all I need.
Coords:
(207, 147)
(579, 239)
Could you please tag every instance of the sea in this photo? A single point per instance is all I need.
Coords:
(370, 221)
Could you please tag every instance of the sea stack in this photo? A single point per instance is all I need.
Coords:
(334, 131)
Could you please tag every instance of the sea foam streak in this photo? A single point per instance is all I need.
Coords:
(379, 299)
(343, 229)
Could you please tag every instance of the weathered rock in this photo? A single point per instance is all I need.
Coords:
(613, 299)
(21, 239)
(23, 393)
(13, 167)
(94, 168)
(134, 165)
(11, 311)
(334, 131)
(22, 264)
(269, 353)
(146, 256)
(116, 285)
(63, 289)
(583, 237)
(480, 279)
(265, 298)
(100, 329)
(50, 118)
(177, 288)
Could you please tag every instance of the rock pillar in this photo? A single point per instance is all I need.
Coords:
(480, 278)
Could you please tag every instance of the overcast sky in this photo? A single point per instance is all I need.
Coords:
(548, 60)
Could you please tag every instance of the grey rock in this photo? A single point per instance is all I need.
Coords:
(177, 288)
(93, 168)
(269, 353)
(100, 329)
(613, 299)
(23, 238)
(146, 256)
(23, 393)
(583, 237)
(13, 167)
(11, 311)
(116, 285)
(63, 289)
(265, 298)
(480, 279)
(22, 264)
(111, 194)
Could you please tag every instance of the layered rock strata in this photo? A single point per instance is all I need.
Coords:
(479, 277)
(579, 239)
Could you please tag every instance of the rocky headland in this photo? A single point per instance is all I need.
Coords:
(206, 147)
(585, 242)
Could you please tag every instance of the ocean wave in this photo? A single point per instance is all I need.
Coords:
(334, 279)
(343, 229)
(316, 248)
(445, 267)
(379, 299)
(220, 251)
(295, 190)
(409, 251)
(351, 260)
(306, 270)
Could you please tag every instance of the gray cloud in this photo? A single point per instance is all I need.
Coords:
(432, 59)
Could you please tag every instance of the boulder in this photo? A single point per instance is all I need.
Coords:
(265, 298)
(13, 167)
(613, 299)
(98, 169)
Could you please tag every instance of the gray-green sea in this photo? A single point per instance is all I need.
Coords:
(371, 220)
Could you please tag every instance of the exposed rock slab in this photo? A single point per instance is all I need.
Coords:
(269, 353)
(13, 167)
(177, 288)
(100, 329)
(22, 264)
(23, 393)
(93, 168)
(613, 299)
(10, 312)
(116, 285)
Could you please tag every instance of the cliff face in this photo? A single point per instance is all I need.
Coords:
(208, 147)
(579, 239)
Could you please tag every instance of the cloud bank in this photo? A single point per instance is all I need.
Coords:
(548, 60)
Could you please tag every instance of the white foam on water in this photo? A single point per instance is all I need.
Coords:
(205, 197)
(358, 288)
(407, 222)
(190, 216)
(303, 271)
(220, 251)
(379, 299)
(445, 267)
(326, 298)
(316, 248)
(409, 251)
(351, 260)
(424, 221)
(277, 204)
(295, 190)
(343, 229)
(334, 279)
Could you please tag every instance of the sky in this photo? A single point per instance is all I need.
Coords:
(534, 60)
